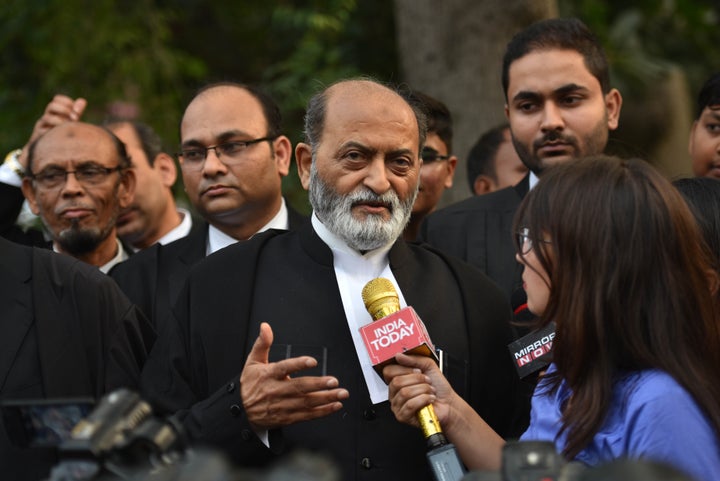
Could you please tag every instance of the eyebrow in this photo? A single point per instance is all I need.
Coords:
(357, 145)
(223, 137)
(562, 90)
(78, 163)
(714, 112)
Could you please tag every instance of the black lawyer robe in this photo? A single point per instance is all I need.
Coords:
(154, 277)
(66, 331)
(478, 230)
(288, 280)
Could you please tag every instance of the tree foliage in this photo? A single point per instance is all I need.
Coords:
(644, 37)
(153, 54)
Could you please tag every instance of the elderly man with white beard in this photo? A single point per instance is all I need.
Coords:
(263, 355)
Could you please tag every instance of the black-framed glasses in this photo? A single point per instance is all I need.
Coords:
(430, 155)
(229, 153)
(524, 243)
(86, 174)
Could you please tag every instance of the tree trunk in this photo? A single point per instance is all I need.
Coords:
(452, 50)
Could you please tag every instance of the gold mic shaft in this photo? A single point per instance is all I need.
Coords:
(381, 299)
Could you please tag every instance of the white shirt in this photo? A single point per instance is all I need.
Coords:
(105, 268)
(217, 239)
(9, 176)
(533, 181)
(181, 230)
(352, 271)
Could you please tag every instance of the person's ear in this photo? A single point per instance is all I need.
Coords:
(450, 171)
(613, 104)
(29, 192)
(303, 157)
(282, 147)
(126, 189)
(483, 185)
(165, 166)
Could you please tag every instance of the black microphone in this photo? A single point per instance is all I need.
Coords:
(401, 330)
(533, 352)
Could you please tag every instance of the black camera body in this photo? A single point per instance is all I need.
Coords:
(530, 461)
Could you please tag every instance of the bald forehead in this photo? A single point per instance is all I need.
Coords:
(363, 96)
(75, 131)
(230, 93)
(360, 90)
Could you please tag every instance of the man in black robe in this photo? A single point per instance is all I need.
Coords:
(233, 180)
(66, 331)
(307, 381)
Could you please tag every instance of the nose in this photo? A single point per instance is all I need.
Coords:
(213, 165)
(552, 118)
(376, 177)
(71, 186)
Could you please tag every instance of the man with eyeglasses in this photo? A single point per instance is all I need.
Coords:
(77, 179)
(153, 215)
(233, 157)
(438, 169)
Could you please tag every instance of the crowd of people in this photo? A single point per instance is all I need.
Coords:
(241, 319)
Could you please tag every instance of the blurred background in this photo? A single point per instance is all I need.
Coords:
(144, 59)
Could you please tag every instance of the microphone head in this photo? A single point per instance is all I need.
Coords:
(380, 298)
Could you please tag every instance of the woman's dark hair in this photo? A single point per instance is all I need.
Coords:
(703, 197)
(629, 278)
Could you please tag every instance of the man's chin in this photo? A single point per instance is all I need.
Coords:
(549, 161)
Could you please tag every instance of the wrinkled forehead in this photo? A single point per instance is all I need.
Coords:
(74, 144)
(367, 104)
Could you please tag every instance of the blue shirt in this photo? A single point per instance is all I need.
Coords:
(650, 416)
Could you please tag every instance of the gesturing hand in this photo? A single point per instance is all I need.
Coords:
(273, 399)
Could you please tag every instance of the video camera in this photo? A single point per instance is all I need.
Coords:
(119, 438)
(530, 461)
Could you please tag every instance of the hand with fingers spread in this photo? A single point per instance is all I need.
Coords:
(60, 109)
(272, 398)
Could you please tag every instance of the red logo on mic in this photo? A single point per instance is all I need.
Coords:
(401, 331)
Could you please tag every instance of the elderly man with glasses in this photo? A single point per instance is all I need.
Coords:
(77, 179)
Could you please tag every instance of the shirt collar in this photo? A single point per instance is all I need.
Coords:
(340, 247)
(119, 257)
(179, 231)
(533, 180)
(105, 268)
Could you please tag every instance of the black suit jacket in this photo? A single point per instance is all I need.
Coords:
(479, 231)
(66, 331)
(153, 277)
(11, 201)
(288, 280)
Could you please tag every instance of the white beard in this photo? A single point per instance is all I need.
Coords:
(335, 212)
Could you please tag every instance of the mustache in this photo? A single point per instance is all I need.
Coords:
(388, 199)
(554, 136)
(72, 205)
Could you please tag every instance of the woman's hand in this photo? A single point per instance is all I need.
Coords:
(415, 382)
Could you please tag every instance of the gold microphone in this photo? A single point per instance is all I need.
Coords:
(381, 300)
